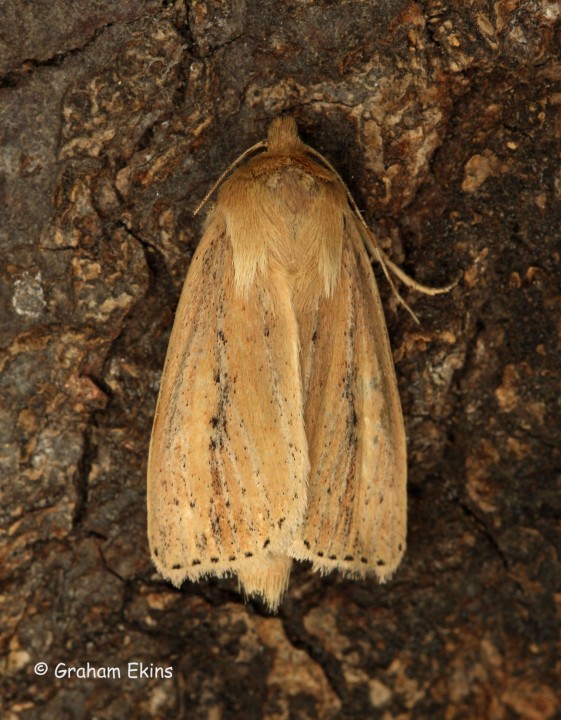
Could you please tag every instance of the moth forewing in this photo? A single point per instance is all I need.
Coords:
(356, 510)
(224, 496)
(278, 432)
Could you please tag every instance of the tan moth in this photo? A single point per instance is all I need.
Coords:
(278, 433)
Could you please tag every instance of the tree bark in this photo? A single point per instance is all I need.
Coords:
(444, 119)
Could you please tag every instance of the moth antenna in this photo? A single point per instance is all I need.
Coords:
(237, 161)
(377, 254)
(410, 282)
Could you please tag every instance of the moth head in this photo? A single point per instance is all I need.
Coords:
(283, 136)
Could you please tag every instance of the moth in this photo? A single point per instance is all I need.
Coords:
(278, 433)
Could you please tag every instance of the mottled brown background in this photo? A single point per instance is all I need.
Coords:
(444, 118)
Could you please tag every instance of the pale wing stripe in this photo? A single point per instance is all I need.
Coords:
(257, 481)
(192, 315)
(223, 535)
(244, 480)
(332, 461)
(386, 536)
(330, 523)
(372, 464)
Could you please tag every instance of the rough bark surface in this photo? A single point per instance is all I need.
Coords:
(444, 118)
